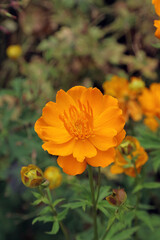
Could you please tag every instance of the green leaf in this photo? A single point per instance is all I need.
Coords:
(57, 201)
(44, 219)
(36, 202)
(102, 209)
(55, 228)
(115, 229)
(156, 45)
(144, 217)
(148, 185)
(155, 157)
(36, 194)
(62, 214)
(74, 205)
(45, 210)
(45, 200)
(104, 191)
(125, 234)
(110, 222)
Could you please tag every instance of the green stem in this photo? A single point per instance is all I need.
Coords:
(99, 184)
(108, 228)
(64, 230)
(90, 174)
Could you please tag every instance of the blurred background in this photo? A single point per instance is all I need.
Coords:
(53, 44)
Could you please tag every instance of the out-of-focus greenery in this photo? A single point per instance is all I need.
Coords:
(67, 43)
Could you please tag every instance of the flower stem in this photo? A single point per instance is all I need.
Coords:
(64, 230)
(108, 228)
(90, 174)
(98, 184)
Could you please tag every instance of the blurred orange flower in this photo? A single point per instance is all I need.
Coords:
(157, 25)
(150, 100)
(126, 92)
(82, 127)
(151, 123)
(54, 176)
(156, 4)
(157, 22)
(32, 176)
(130, 157)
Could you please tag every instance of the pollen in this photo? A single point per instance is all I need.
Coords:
(78, 121)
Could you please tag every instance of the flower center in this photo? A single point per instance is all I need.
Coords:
(78, 121)
(127, 147)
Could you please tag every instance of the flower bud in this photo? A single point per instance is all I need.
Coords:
(136, 84)
(127, 147)
(54, 176)
(14, 51)
(117, 198)
(32, 176)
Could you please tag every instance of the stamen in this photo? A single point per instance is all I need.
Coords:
(79, 121)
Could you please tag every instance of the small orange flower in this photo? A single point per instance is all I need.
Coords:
(157, 22)
(150, 100)
(32, 176)
(54, 176)
(14, 51)
(129, 156)
(151, 123)
(157, 25)
(127, 94)
(82, 127)
(157, 6)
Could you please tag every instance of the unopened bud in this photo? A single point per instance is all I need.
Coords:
(117, 198)
(14, 51)
(54, 176)
(32, 176)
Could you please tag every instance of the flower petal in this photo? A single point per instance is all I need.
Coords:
(120, 136)
(102, 159)
(95, 98)
(64, 149)
(110, 118)
(83, 149)
(115, 169)
(70, 165)
(56, 135)
(51, 115)
(103, 143)
(109, 101)
(63, 101)
(76, 92)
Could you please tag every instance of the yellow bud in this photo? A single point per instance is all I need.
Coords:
(14, 51)
(54, 176)
(136, 84)
(32, 176)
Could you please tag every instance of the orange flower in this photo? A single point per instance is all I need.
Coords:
(150, 100)
(151, 123)
(32, 176)
(157, 25)
(54, 176)
(157, 22)
(82, 127)
(127, 94)
(129, 155)
(157, 6)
